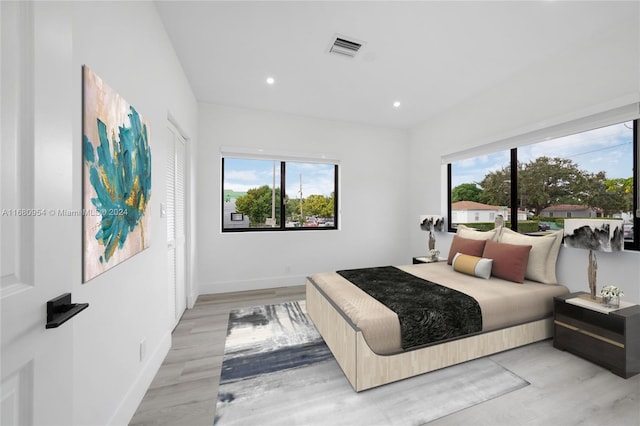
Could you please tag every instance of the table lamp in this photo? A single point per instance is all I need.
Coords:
(595, 235)
(431, 223)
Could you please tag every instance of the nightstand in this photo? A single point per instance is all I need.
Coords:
(425, 259)
(610, 339)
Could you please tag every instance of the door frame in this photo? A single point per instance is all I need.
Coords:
(190, 288)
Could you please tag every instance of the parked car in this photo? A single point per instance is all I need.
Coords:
(628, 231)
(543, 226)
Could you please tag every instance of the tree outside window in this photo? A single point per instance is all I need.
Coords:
(279, 195)
(589, 174)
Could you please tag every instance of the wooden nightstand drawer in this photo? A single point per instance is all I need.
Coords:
(610, 339)
(606, 353)
(606, 334)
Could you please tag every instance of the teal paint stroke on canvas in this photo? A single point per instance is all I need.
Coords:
(120, 173)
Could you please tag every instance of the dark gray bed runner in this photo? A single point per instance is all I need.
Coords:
(428, 312)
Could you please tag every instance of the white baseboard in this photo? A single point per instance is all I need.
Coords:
(129, 404)
(246, 285)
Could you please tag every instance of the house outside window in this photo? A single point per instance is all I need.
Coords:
(588, 174)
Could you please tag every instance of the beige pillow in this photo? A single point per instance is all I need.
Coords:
(543, 255)
(474, 234)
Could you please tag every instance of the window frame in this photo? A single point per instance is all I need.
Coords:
(628, 245)
(282, 227)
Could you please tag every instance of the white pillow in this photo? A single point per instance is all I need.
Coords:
(472, 265)
(542, 257)
(474, 234)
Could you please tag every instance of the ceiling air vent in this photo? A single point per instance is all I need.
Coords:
(342, 46)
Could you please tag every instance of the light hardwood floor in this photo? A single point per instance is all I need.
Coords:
(563, 390)
(185, 389)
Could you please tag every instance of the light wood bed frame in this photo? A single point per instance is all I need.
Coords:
(365, 369)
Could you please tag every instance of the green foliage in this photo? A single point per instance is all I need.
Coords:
(496, 187)
(545, 182)
(466, 192)
(548, 181)
(293, 210)
(528, 226)
(523, 226)
(318, 205)
(257, 205)
(620, 192)
(482, 226)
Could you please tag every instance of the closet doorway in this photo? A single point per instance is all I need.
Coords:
(176, 155)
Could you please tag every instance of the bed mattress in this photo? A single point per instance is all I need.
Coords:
(503, 303)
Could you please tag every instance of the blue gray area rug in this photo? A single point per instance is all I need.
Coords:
(278, 371)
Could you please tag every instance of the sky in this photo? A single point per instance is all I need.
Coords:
(608, 149)
(241, 175)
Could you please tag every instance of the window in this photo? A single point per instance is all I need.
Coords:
(587, 174)
(273, 195)
(469, 202)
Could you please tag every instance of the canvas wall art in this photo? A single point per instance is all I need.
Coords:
(116, 178)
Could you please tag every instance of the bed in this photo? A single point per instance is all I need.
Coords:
(365, 336)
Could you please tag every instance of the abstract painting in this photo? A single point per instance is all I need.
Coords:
(116, 178)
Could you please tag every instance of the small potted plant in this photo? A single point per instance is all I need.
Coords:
(611, 296)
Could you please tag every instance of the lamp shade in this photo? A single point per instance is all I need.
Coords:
(431, 222)
(594, 234)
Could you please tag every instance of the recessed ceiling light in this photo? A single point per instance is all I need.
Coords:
(396, 104)
(270, 80)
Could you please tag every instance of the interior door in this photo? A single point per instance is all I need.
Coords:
(176, 150)
(37, 180)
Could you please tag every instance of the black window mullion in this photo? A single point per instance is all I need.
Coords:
(449, 185)
(335, 196)
(635, 244)
(514, 189)
(283, 190)
(222, 200)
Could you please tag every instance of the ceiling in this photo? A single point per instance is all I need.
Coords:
(427, 55)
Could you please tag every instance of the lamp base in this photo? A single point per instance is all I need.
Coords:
(597, 299)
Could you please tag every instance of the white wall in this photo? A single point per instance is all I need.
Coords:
(125, 44)
(373, 193)
(602, 74)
